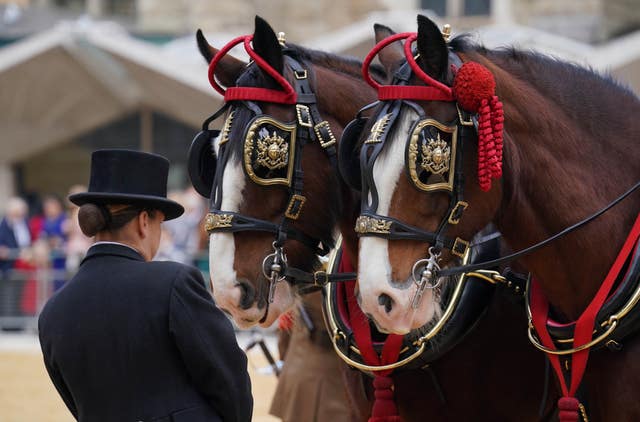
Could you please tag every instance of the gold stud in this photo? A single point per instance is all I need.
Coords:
(446, 32)
(281, 38)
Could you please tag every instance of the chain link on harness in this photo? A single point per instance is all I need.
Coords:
(426, 279)
(273, 267)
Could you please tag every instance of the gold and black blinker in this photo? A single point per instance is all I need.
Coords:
(268, 153)
(430, 155)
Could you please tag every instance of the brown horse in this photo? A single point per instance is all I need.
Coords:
(470, 381)
(570, 148)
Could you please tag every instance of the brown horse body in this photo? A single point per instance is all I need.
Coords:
(493, 375)
(570, 148)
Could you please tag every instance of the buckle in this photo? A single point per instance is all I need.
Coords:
(460, 247)
(300, 74)
(456, 212)
(462, 121)
(317, 281)
(295, 206)
(304, 116)
(318, 129)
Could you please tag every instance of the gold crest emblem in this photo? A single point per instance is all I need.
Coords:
(378, 129)
(366, 224)
(227, 128)
(273, 150)
(435, 155)
(217, 221)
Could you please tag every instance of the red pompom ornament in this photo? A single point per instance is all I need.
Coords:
(474, 89)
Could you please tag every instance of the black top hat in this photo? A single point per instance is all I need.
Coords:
(120, 176)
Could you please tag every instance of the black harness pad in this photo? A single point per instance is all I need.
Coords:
(348, 160)
(201, 162)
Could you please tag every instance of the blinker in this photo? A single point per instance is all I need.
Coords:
(201, 161)
(431, 155)
(268, 151)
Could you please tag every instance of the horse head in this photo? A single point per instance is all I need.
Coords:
(276, 199)
(413, 151)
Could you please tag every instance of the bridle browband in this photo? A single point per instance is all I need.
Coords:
(309, 127)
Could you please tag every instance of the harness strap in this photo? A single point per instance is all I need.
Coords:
(384, 407)
(497, 262)
(568, 404)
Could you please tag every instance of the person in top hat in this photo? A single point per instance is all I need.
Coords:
(131, 340)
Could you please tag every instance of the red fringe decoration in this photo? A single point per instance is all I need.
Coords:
(474, 89)
(568, 409)
(384, 407)
(285, 321)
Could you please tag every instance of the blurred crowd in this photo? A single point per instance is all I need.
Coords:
(41, 246)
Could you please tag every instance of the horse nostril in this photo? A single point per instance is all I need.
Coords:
(247, 294)
(386, 301)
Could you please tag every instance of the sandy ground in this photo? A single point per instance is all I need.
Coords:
(27, 395)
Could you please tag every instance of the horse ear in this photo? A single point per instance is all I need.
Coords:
(266, 45)
(392, 55)
(228, 69)
(433, 51)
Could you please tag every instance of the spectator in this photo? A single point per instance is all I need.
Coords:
(53, 230)
(184, 231)
(14, 240)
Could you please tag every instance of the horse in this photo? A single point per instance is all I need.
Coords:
(553, 166)
(241, 283)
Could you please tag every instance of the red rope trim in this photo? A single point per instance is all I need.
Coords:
(288, 96)
(437, 90)
(583, 334)
(384, 407)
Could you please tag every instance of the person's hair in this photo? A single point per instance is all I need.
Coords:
(94, 218)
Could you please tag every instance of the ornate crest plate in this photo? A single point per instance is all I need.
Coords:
(268, 152)
(431, 155)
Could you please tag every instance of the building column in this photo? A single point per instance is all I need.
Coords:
(95, 8)
(501, 12)
(146, 129)
(7, 185)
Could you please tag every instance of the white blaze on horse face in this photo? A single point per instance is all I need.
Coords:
(222, 245)
(374, 266)
(222, 259)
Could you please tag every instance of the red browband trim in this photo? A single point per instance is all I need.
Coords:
(435, 91)
(259, 94)
(288, 96)
(413, 92)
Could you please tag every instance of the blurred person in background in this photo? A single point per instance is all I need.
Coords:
(184, 232)
(310, 386)
(128, 339)
(77, 243)
(53, 231)
(15, 240)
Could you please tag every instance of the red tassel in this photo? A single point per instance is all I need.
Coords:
(568, 409)
(384, 407)
(474, 89)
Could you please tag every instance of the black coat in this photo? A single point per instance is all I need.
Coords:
(128, 340)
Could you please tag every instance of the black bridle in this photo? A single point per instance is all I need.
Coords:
(371, 223)
(310, 127)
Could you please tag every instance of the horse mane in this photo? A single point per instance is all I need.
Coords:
(347, 65)
(560, 80)
(594, 115)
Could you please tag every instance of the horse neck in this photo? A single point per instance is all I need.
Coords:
(339, 97)
(567, 155)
